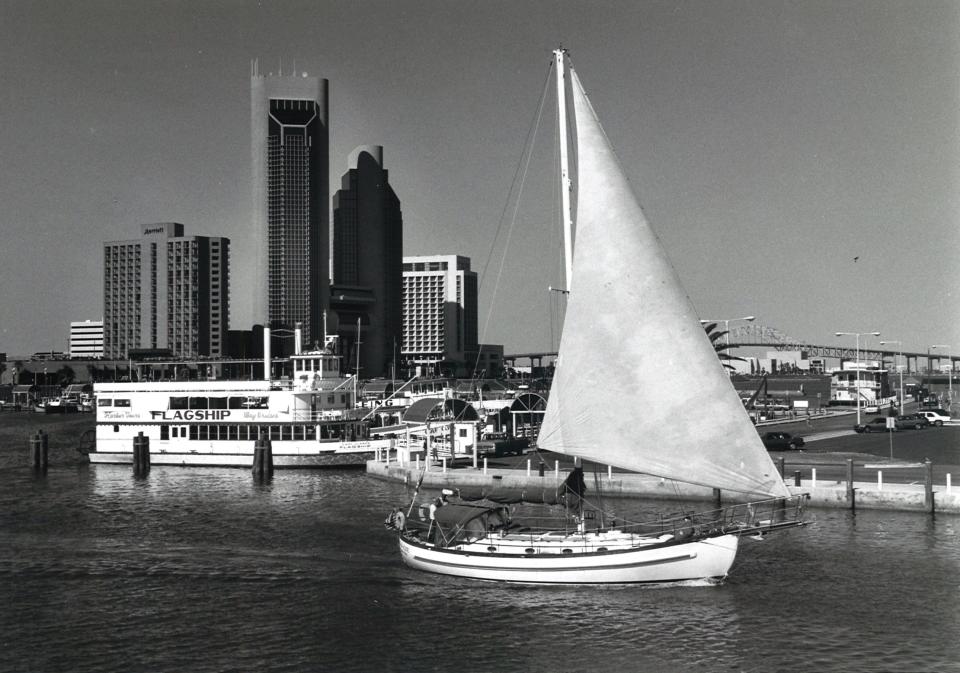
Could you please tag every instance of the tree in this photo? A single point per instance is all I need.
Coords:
(65, 375)
(720, 345)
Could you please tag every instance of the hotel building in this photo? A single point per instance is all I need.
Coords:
(166, 292)
(439, 311)
(291, 197)
(86, 339)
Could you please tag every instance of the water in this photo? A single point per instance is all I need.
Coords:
(204, 570)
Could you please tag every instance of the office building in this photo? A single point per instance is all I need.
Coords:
(291, 200)
(166, 292)
(86, 339)
(439, 313)
(367, 265)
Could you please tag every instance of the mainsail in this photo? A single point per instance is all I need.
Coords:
(638, 384)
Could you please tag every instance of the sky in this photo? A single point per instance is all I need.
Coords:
(800, 161)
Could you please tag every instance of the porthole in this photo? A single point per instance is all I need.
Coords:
(491, 549)
(567, 551)
(529, 550)
(601, 549)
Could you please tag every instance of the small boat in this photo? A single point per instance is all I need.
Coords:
(628, 320)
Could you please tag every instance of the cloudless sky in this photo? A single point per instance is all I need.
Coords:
(771, 144)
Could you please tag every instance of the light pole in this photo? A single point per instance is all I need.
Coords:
(899, 367)
(949, 374)
(726, 324)
(858, 335)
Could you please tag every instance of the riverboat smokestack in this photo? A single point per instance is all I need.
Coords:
(266, 353)
(298, 339)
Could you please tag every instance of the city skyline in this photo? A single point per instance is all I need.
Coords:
(799, 162)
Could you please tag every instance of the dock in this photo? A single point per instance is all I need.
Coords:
(918, 496)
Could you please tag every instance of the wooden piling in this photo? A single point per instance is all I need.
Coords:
(44, 449)
(928, 485)
(796, 478)
(263, 458)
(141, 455)
(39, 451)
(851, 491)
(781, 465)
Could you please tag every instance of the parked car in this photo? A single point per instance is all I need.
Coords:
(878, 424)
(915, 421)
(936, 417)
(781, 441)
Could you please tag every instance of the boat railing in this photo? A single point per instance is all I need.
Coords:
(753, 518)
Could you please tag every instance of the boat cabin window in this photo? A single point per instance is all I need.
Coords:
(331, 399)
(178, 403)
(164, 432)
(285, 431)
(121, 403)
(193, 432)
(236, 402)
(218, 402)
(198, 403)
(104, 402)
(310, 432)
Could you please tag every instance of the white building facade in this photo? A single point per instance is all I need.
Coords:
(439, 310)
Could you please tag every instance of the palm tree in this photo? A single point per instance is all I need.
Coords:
(721, 345)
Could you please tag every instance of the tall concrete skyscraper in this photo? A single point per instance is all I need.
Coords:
(291, 196)
(368, 263)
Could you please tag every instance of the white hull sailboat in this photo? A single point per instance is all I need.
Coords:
(628, 320)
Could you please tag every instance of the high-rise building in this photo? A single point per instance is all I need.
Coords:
(291, 197)
(367, 264)
(86, 339)
(166, 291)
(439, 310)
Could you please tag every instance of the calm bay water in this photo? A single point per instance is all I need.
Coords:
(205, 570)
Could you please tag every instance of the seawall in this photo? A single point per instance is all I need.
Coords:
(821, 494)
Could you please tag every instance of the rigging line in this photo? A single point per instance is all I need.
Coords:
(521, 170)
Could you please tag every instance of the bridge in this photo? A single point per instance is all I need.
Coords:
(753, 335)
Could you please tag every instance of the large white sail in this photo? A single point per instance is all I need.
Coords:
(638, 384)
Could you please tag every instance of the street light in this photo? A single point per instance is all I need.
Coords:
(726, 324)
(899, 367)
(858, 335)
(949, 374)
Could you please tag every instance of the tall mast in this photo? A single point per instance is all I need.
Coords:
(564, 167)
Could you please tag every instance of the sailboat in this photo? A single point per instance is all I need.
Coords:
(628, 320)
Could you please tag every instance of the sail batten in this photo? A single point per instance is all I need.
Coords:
(638, 384)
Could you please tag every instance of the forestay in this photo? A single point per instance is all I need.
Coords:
(638, 384)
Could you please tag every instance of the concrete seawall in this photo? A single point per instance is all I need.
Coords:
(824, 494)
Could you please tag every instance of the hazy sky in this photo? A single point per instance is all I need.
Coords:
(771, 143)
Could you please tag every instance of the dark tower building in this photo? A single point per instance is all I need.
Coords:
(290, 146)
(368, 264)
